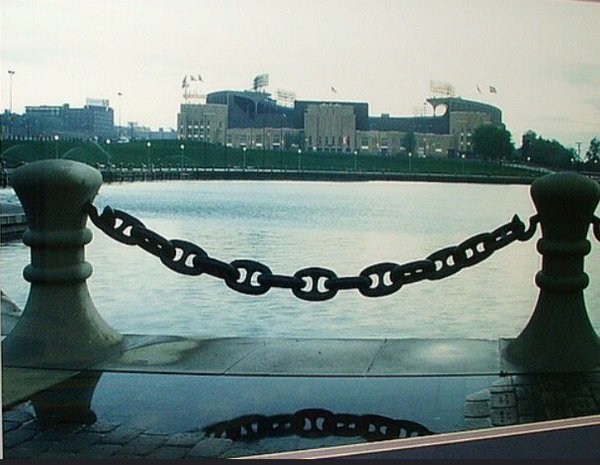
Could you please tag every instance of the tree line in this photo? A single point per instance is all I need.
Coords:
(493, 143)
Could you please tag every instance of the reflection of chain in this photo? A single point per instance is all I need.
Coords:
(313, 284)
(596, 227)
(315, 423)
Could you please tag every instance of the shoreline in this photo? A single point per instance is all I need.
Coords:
(277, 175)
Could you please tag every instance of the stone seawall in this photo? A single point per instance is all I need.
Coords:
(277, 175)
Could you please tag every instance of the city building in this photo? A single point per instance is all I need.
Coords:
(134, 131)
(247, 109)
(94, 121)
(264, 138)
(330, 127)
(254, 119)
(203, 122)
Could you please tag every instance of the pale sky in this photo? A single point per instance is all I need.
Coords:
(543, 56)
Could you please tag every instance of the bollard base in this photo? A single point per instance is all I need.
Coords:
(59, 328)
(560, 338)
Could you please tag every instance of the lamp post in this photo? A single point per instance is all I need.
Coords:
(356, 160)
(463, 163)
(264, 142)
(108, 159)
(409, 164)
(11, 73)
(119, 94)
(244, 152)
(56, 139)
(182, 147)
(205, 135)
(148, 144)
(299, 159)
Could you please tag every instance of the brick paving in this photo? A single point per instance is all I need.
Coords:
(508, 401)
(25, 437)
(516, 400)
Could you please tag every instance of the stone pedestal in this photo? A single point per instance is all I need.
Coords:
(559, 336)
(60, 326)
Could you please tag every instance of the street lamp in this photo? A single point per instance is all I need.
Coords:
(182, 147)
(205, 135)
(264, 142)
(299, 159)
(148, 144)
(11, 73)
(244, 151)
(463, 163)
(119, 94)
(56, 139)
(109, 161)
(280, 158)
(10, 132)
(409, 160)
(356, 160)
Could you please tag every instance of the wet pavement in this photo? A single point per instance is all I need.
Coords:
(152, 415)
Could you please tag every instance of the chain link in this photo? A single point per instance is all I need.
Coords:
(596, 227)
(313, 284)
(315, 423)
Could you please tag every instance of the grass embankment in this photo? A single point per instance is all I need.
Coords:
(168, 153)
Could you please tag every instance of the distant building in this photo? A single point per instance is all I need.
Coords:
(94, 121)
(247, 109)
(264, 138)
(359, 109)
(255, 120)
(330, 127)
(203, 122)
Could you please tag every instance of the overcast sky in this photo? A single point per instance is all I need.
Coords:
(542, 56)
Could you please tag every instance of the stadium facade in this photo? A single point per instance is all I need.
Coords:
(254, 119)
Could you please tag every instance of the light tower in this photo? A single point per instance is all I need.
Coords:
(11, 73)
(119, 94)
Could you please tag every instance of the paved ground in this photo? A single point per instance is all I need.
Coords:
(157, 396)
(161, 426)
(26, 437)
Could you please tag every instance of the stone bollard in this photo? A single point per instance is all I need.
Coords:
(559, 336)
(60, 326)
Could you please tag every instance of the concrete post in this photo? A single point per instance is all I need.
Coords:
(60, 326)
(559, 336)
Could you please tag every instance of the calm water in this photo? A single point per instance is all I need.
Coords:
(293, 225)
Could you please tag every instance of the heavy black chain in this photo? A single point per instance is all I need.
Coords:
(596, 227)
(315, 423)
(312, 284)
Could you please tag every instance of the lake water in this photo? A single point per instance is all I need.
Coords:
(293, 225)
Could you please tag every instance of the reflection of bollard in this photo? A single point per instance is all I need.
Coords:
(60, 327)
(559, 336)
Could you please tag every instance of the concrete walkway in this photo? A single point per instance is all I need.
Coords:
(163, 416)
(156, 397)
(273, 357)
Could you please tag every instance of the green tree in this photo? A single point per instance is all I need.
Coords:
(544, 152)
(493, 143)
(409, 142)
(593, 153)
